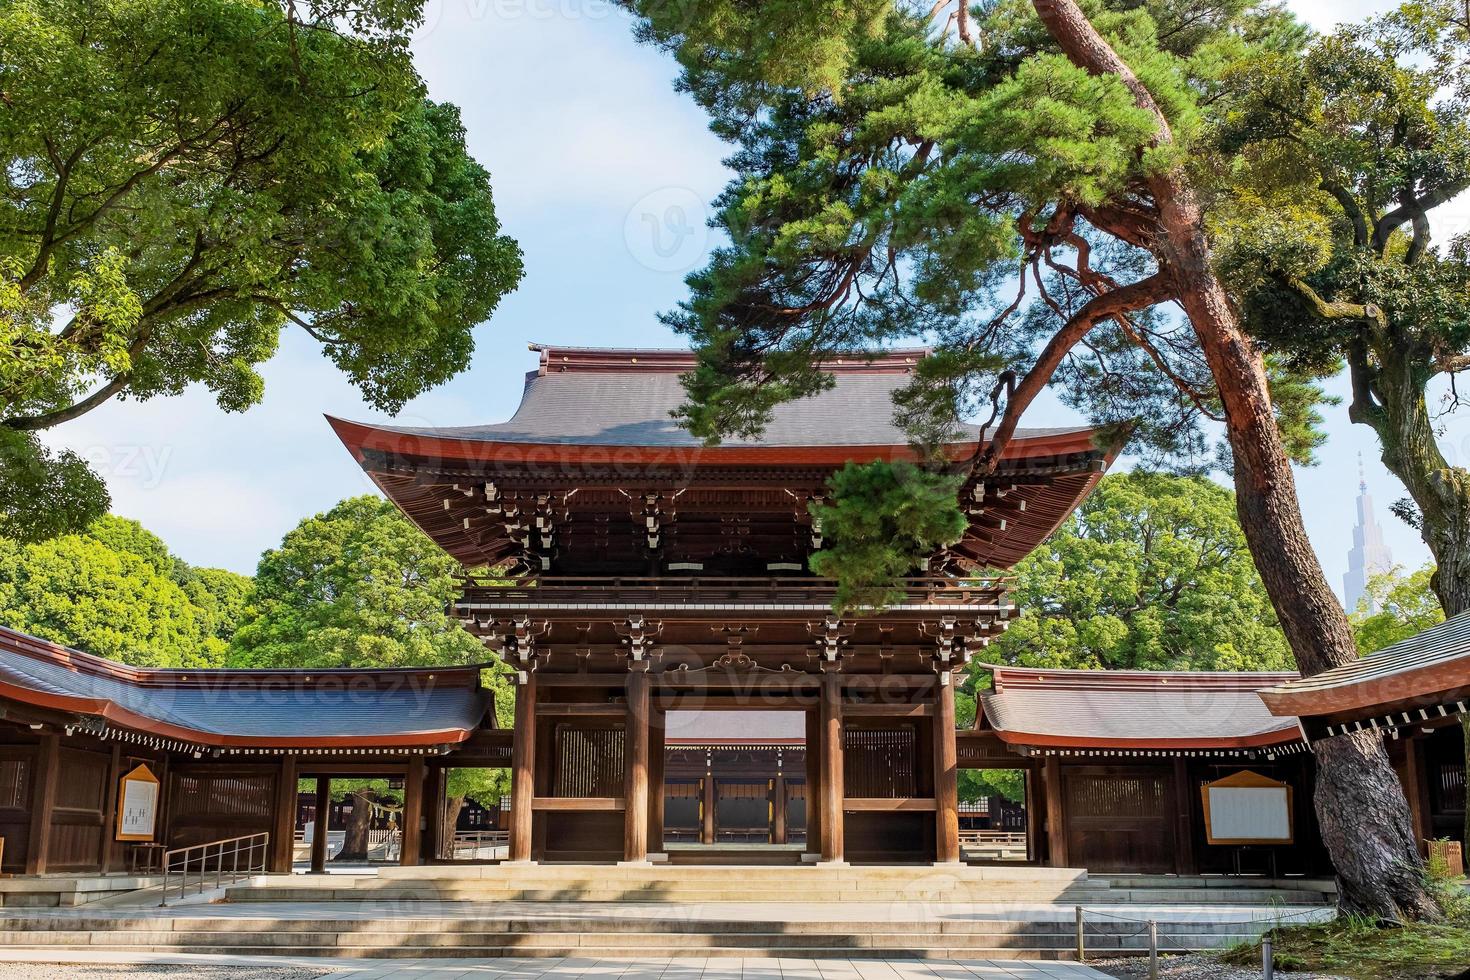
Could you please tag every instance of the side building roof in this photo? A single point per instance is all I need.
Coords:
(239, 709)
(1423, 678)
(1119, 711)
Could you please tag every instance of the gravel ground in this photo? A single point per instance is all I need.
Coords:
(143, 971)
(1193, 967)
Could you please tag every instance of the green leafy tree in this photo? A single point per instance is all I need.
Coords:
(184, 180)
(1024, 184)
(1405, 606)
(1343, 155)
(117, 592)
(1151, 573)
(886, 519)
(361, 586)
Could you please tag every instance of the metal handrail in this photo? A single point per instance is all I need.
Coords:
(230, 848)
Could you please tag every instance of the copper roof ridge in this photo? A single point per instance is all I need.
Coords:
(41, 649)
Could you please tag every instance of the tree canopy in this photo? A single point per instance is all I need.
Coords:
(357, 586)
(1151, 573)
(116, 591)
(1340, 157)
(1395, 607)
(182, 181)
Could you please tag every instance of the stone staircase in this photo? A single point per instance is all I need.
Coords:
(960, 913)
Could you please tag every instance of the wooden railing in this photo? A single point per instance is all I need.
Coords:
(685, 589)
(995, 844)
(232, 858)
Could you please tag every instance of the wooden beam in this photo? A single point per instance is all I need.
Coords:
(544, 710)
(1056, 817)
(1035, 806)
(1416, 790)
(523, 769)
(946, 774)
(322, 824)
(411, 840)
(889, 710)
(898, 804)
(283, 825)
(578, 803)
(832, 774)
(635, 775)
(43, 802)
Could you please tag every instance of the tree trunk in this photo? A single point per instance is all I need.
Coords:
(355, 843)
(1396, 409)
(1360, 804)
(448, 821)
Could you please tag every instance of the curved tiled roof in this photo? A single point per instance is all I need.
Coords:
(1428, 668)
(260, 708)
(626, 398)
(1118, 709)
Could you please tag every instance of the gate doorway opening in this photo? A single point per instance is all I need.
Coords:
(472, 815)
(997, 815)
(344, 822)
(734, 782)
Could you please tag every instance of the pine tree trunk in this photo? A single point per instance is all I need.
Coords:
(1360, 805)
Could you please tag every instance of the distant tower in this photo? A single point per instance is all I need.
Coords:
(1369, 555)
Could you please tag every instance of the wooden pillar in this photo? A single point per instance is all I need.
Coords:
(1056, 816)
(321, 827)
(946, 774)
(778, 809)
(410, 840)
(43, 801)
(832, 775)
(523, 769)
(283, 827)
(1035, 806)
(707, 808)
(433, 844)
(656, 751)
(109, 809)
(814, 781)
(1416, 790)
(1184, 860)
(635, 766)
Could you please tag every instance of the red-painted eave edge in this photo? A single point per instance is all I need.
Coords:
(1279, 736)
(1419, 684)
(123, 717)
(358, 438)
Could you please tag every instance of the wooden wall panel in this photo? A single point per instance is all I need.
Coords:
(214, 803)
(881, 762)
(584, 835)
(16, 773)
(77, 818)
(1120, 819)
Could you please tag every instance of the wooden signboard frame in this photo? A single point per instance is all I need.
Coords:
(1250, 780)
(141, 774)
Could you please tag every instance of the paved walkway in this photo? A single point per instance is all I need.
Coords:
(814, 912)
(692, 968)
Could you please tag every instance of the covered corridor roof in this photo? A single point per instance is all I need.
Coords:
(1134, 710)
(1423, 678)
(319, 709)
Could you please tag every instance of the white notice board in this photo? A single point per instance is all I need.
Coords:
(1248, 808)
(137, 806)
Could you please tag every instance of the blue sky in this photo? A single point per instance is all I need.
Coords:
(601, 171)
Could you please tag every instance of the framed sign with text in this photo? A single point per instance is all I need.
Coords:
(1247, 808)
(137, 805)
